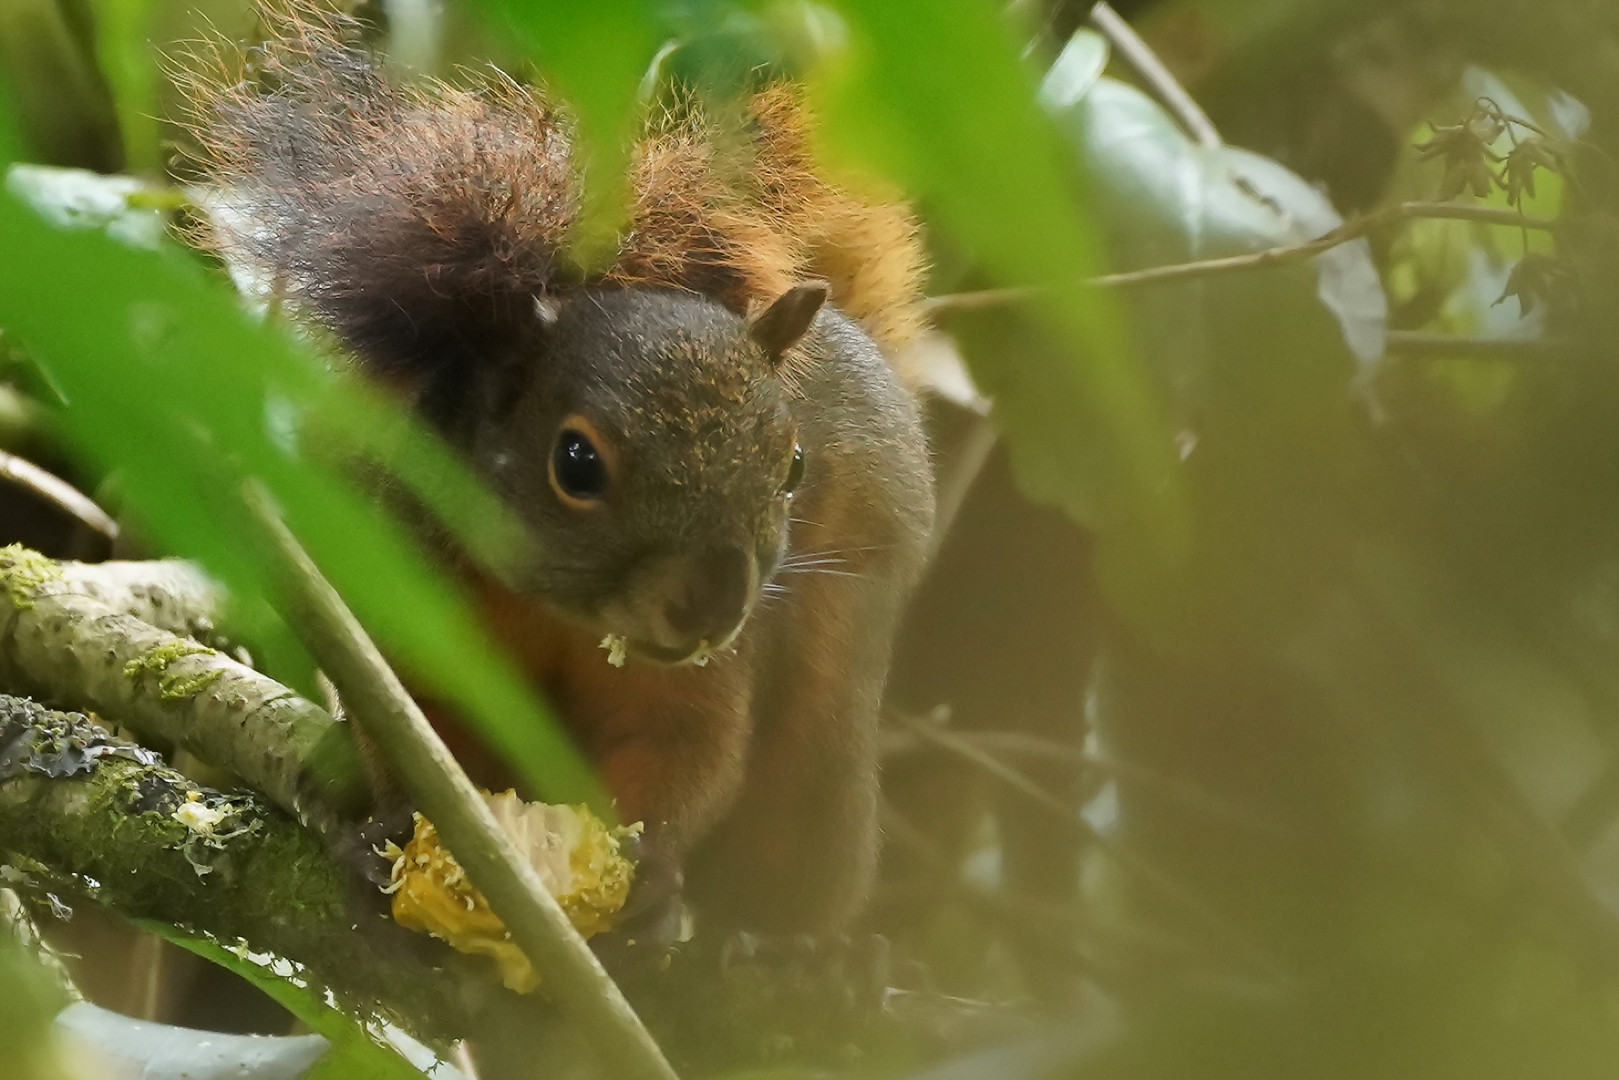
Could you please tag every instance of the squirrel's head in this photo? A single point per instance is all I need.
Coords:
(648, 438)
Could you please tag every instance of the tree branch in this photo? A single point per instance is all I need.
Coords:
(1420, 343)
(1349, 230)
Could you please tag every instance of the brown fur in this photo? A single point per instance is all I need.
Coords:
(421, 224)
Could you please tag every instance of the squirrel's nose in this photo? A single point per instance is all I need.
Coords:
(708, 597)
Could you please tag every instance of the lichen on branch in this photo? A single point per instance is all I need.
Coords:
(88, 815)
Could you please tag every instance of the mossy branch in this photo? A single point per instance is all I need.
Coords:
(84, 813)
(108, 638)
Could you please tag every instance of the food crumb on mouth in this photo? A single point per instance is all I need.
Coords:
(616, 645)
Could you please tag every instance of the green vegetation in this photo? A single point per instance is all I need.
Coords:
(1331, 612)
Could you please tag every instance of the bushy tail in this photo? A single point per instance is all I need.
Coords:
(419, 223)
(416, 223)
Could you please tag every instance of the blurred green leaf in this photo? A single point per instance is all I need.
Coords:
(10, 148)
(1075, 70)
(1170, 200)
(597, 54)
(169, 382)
(29, 997)
(1255, 368)
(141, 1048)
(80, 199)
(935, 95)
(63, 110)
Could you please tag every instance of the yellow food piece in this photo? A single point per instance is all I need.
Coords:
(575, 854)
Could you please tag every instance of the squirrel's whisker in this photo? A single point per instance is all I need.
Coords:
(818, 570)
(862, 549)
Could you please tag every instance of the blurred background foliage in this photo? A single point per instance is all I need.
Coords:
(1260, 715)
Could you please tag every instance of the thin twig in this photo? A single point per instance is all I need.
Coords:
(379, 703)
(1008, 775)
(1422, 343)
(950, 303)
(1253, 260)
(1457, 754)
(58, 492)
(1070, 816)
(958, 475)
(1010, 912)
(1146, 62)
(1349, 230)
(1140, 778)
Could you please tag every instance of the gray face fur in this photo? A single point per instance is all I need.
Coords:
(693, 425)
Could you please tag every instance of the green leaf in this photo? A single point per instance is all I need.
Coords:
(9, 148)
(1075, 70)
(81, 199)
(29, 996)
(356, 1050)
(130, 65)
(170, 382)
(141, 1048)
(597, 54)
(1258, 368)
(63, 110)
(1170, 200)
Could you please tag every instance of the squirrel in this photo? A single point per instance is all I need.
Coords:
(727, 481)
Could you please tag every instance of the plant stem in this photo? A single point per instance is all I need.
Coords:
(1123, 37)
(418, 758)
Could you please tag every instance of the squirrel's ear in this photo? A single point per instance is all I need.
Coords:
(778, 327)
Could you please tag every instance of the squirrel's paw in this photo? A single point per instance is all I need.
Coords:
(653, 919)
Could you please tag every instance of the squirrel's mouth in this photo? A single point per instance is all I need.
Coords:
(681, 609)
(696, 653)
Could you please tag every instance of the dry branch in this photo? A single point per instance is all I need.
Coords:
(1281, 255)
(1168, 88)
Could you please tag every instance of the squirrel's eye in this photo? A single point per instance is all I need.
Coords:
(795, 471)
(577, 470)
